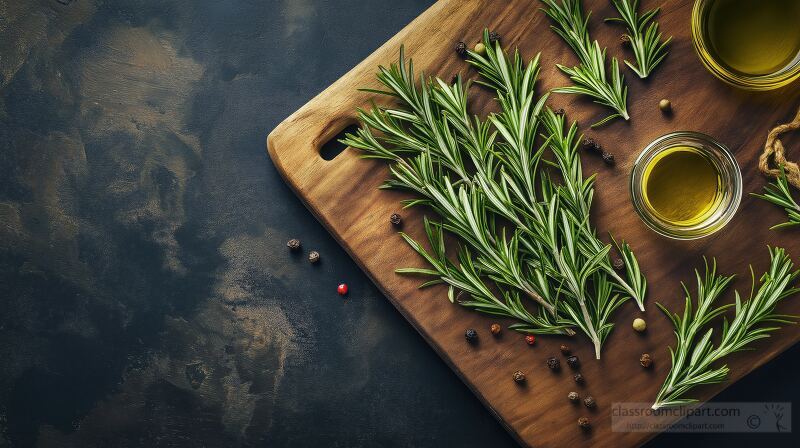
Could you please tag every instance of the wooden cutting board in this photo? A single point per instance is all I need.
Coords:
(343, 194)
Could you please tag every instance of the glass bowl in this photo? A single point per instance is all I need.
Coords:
(769, 81)
(730, 185)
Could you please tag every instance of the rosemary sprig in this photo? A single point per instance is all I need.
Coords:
(549, 252)
(754, 319)
(778, 193)
(590, 75)
(466, 278)
(643, 35)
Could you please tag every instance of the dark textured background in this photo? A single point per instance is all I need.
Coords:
(146, 294)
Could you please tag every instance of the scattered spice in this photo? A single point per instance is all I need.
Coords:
(461, 49)
(560, 112)
(589, 402)
(573, 397)
(665, 105)
(590, 143)
(342, 289)
(313, 256)
(565, 349)
(518, 376)
(471, 335)
(578, 378)
(495, 329)
(480, 48)
(619, 264)
(293, 244)
(396, 219)
(530, 339)
(573, 362)
(624, 39)
(608, 158)
(646, 361)
(494, 36)
(553, 363)
(639, 324)
(583, 422)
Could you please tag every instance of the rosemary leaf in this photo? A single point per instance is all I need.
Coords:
(589, 76)
(778, 193)
(643, 35)
(754, 319)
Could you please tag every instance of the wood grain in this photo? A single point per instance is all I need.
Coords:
(539, 413)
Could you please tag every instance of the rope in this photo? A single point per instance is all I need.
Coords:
(774, 148)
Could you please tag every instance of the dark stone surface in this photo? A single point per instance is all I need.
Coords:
(147, 297)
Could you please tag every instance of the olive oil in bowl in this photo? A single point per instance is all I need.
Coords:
(685, 185)
(681, 186)
(753, 44)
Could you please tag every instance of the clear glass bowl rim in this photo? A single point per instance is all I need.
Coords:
(770, 81)
(729, 169)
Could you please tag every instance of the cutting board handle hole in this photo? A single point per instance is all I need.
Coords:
(334, 147)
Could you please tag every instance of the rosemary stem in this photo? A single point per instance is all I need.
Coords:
(536, 297)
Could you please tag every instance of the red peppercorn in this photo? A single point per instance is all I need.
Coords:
(342, 289)
(530, 339)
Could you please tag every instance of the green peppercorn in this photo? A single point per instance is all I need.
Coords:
(665, 105)
(480, 48)
(639, 324)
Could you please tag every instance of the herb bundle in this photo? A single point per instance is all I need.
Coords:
(754, 319)
(643, 35)
(590, 75)
(486, 179)
(778, 193)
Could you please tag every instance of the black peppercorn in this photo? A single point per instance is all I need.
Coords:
(494, 36)
(471, 335)
(624, 39)
(646, 361)
(565, 349)
(618, 264)
(578, 378)
(608, 158)
(573, 362)
(293, 244)
(559, 112)
(461, 49)
(313, 256)
(396, 219)
(518, 376)
(553, 363)
(573, 397)
(583, 422)
(589, 143)
(589, 402)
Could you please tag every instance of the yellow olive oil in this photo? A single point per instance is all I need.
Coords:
(681, 186)
(753, 37)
